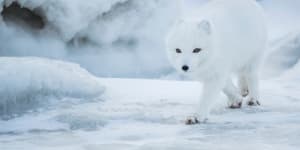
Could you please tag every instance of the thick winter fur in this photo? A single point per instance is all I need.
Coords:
(232, 37)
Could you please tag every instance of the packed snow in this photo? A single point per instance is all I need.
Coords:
(59, 100)
(149, 114)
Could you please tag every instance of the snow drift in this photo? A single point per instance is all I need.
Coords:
(27, 83)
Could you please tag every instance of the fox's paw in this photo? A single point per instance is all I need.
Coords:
(194, 120)
(253, 102)
(236, 105)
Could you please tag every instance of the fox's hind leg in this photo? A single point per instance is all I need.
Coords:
(253, 84)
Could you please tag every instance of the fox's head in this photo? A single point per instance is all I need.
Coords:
(189, 45)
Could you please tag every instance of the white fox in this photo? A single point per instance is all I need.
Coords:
(228, 39)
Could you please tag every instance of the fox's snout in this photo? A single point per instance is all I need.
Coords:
(185, 68)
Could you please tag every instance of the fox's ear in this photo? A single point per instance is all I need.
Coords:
(205, 25)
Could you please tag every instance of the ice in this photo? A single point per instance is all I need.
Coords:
(27, 83)
(149, 114)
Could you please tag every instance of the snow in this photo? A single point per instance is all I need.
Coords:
(95, 33)
(149, 114)
(27, 83)
(67, 15)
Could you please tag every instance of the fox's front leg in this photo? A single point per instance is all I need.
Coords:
(211, 92)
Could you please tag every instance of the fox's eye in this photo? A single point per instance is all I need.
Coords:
(197, 50)
(178, 50)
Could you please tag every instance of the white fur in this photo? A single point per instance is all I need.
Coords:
(232, 36)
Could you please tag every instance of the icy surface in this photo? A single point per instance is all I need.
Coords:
(27, 83)
(149, 114)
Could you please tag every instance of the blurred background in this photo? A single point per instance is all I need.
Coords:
(125, 38)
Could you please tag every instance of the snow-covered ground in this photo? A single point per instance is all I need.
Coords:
(149, 114)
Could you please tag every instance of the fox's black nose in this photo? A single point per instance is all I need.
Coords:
(185, 68)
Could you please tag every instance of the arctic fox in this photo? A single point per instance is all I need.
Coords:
(227, 40)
